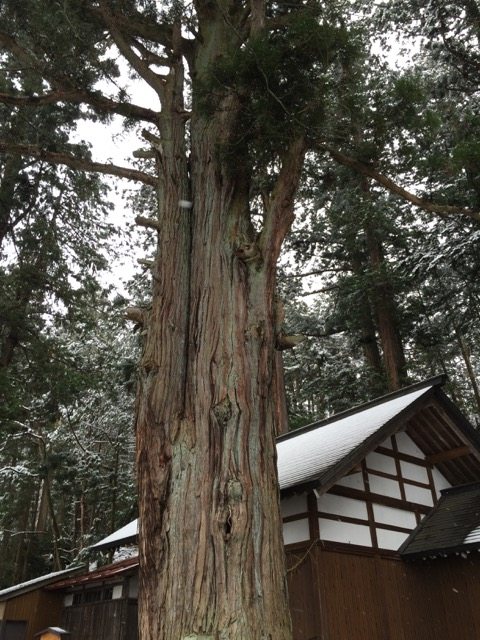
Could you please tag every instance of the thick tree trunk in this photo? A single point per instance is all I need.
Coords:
(211, 543)
(211, 548)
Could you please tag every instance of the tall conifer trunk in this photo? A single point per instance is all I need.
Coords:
(211, 549)
(384, 306)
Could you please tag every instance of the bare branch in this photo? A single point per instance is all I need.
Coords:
(149, 57)
(280, 214)
(74, 162)
(141, 67)
(143, 262)
(332, 287)
(136, 314)
(393, 187)
(97, 100)
(148, 29)
(149, 223)
(284, 342)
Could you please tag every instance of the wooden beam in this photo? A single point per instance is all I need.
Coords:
(450, 454)
(356, 469)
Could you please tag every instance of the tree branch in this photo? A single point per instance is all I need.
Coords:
(305, 294)
(316, 272)
(99, 101)
(148, 223)
(64, 89)
(73, 162)
(150, 57)
(280, 214)
(393, 187)
(137, 25)
(257, 16)
(9, 43)
(159, 32)
(140, 66)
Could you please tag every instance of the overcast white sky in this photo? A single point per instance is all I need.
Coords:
(110, 143)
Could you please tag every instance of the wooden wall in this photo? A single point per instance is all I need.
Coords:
(109, 620)
(39, 608)
(338, 596)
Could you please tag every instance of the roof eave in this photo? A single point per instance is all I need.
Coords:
(42, 584)
(435, 382)
(114, 544)
(432, 554)
(326, 480)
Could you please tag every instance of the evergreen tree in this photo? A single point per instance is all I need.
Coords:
(246, 90)
(54, 246)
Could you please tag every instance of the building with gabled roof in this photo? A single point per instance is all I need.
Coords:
(372, 552)
(28, 607)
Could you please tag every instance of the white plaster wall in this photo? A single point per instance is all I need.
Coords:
(296, 531)
(406, 445)
(293, 505)
(379, 462)
(341, 506)
(413, 472)
(354, 481)
(396, 517)
(336, 531)
(439, 481)
(387, 444)
(418, 495)
(390, 539)
(384, 486)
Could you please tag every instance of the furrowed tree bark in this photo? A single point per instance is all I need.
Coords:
(211, 548)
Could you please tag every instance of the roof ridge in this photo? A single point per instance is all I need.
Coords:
(431, 382)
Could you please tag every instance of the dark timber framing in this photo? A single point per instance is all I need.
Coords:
(447, 441)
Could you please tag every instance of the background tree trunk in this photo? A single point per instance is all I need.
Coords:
(384, 306)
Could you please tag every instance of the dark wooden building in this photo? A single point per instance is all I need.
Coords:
(102, 603)
(383, 536)
(381, 517)
(27, 608)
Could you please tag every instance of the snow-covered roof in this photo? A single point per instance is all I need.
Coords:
(312, 453)
(30, 585)
(128, 532)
